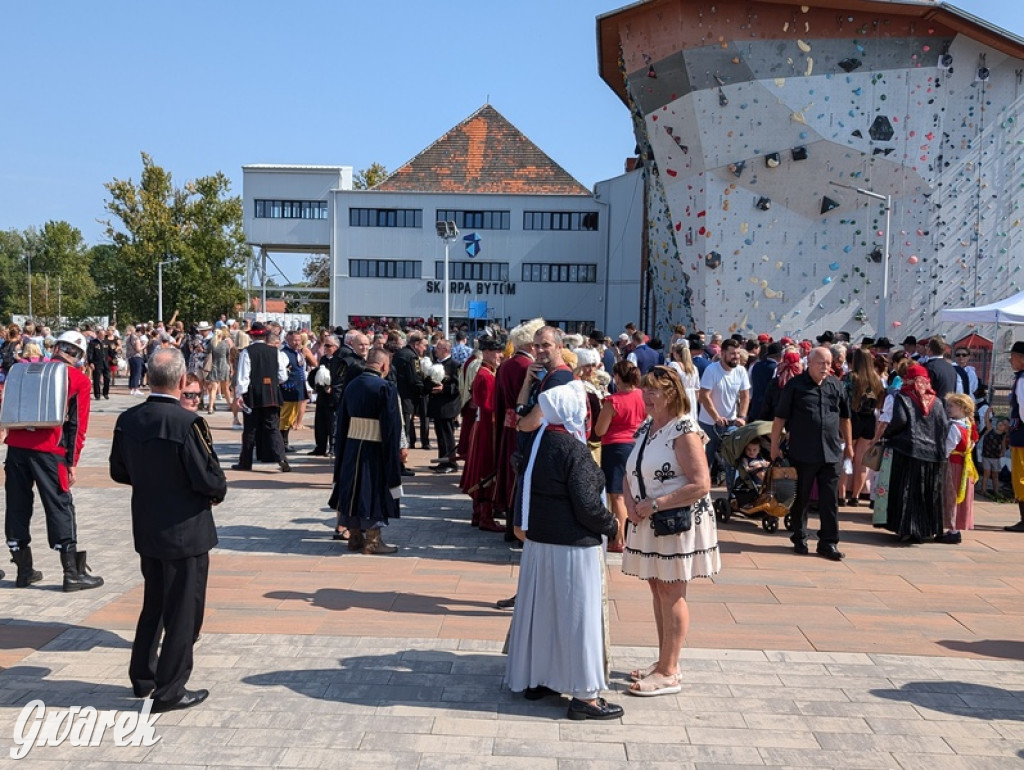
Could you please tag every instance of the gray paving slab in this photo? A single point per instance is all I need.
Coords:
(330, 700)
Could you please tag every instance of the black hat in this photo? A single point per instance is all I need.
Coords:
(842, 336)
(910, 340)
(489, 343)
(826, 337)
(737, 336)
(597, 335)
(257, 330)
(882, 343)
(868, 342)
(1018, 347)
(774, 348)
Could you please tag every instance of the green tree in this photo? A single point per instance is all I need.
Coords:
(195, 229)
(61, 281)
(369, 177)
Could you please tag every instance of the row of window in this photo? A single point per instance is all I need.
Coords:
(475, 220)
(546, 272)
(267, 209)
(385, 268)
(472, 271)
(385, 218)
(533, 272)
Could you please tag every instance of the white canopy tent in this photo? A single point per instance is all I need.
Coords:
(1006, 312)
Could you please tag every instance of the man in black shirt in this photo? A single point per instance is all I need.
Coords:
(816, 414)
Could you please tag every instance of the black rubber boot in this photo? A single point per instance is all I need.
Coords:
(1019, 526)
(26, 575)
(76, 571)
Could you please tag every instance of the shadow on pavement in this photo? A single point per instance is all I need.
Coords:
(31, 682)
(966, 699)
(339, 599)
(419, 678)
(1013, 649)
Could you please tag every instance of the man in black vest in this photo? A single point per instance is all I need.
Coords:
(166, 454)
(262, 367)
(325, 380)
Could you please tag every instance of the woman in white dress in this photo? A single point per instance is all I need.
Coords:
(668, 469)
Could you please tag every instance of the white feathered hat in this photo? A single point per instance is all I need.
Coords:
(522, 335)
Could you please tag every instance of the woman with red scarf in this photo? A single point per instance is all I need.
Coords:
(788, 367)
(914, 425)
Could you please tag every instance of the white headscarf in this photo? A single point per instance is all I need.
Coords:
(564, 405)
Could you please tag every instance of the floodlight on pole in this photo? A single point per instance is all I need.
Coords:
(160, 290)
(887, 199)
(447, 232)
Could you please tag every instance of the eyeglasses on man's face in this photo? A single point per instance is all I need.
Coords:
(192, 396)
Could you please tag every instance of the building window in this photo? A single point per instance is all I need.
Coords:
(268, 209)
(385, 218)
(560, 220)
(472, 271)
(385, 268)
(476, 220)
(553, 273)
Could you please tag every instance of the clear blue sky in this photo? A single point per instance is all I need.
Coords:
(209, 86)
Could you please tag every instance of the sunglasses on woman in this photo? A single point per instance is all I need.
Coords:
(192, 396)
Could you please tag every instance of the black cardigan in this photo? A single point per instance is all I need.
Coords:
(565, 498)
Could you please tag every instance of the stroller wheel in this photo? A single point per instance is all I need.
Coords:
(722, 511)
(788, 522)
(770, 524)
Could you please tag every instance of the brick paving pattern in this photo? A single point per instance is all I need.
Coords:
(897, 657)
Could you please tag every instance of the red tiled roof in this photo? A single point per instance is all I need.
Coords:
(485, 153)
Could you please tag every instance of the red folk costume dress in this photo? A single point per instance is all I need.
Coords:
(960, 478)
(510, 379)
(478, 476)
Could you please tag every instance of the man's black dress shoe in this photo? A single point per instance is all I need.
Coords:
(406, 472)
(317, 453)
(241, 467)
(142, 690)
(188, 700)
(829, 551)
(950, 538)
(536, 693)
(800, 548)
(579, 709)
(284, 466)
(506, 604)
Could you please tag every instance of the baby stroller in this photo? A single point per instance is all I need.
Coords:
(768, 501)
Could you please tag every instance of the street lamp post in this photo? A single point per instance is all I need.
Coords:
(447, 232)
(887, 199)
(28, 256)
(160, 290)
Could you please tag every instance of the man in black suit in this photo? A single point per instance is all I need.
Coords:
(166, 454)
(444, 407)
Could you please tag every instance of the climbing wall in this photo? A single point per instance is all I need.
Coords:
(754, 120)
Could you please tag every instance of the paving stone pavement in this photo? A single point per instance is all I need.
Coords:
(895, 658)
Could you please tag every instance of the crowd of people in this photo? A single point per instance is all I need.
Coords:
(566, 444)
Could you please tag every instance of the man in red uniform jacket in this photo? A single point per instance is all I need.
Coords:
(478, 476)
(47, 457)
(510, 378)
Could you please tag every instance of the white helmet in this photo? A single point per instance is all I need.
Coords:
(75, 338)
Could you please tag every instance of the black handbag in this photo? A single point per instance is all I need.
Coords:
(671, 521)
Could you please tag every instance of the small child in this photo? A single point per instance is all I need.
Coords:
(960, 471)
(993, 447)
(754, 462)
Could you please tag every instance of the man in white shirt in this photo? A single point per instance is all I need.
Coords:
(724, 399)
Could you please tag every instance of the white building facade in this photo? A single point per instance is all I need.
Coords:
(572, 258)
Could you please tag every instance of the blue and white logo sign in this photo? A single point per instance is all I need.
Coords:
(472, 244)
